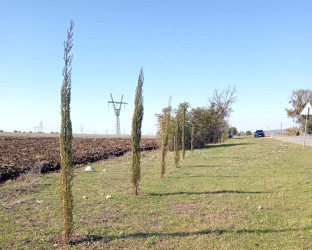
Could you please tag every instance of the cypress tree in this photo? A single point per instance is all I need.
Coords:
(192, 138)
(176, 140)
(66, 136)
(184, 106)
(136, 134)
(164, 139)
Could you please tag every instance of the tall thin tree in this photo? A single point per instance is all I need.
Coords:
(66, 136)
(136, 134)
(176, 139)
(192, 138)
(164, 126)
(183, 107)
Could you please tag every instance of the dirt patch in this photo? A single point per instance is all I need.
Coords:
(20, 155)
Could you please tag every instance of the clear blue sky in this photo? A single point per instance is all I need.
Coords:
(187, 49)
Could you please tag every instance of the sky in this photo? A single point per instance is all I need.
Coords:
(188, 49)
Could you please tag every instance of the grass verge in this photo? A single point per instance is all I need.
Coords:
(244, 194)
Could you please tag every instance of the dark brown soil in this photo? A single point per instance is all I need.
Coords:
(20, 155)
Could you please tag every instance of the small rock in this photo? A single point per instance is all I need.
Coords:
(108, 197)
(85, 197)
(154, 156)
(121, 233)
(55, 245)
(248, 198)
(89, 169)
(259, 207)
(307, 182)
(39, 201)
(104, 170)
(109, 165)
(301, 237)
(261, 221)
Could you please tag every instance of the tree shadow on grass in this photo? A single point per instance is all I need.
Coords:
(210, 192)
(211, 176)
(106, 239)
(216, 232)
(226, 145)
(213, 166)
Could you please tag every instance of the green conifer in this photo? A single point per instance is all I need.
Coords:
(136, 134)
(66, 136)
(176, 140)
(164, 126)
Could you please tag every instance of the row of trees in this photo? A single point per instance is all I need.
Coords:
(66, 175)
(188, 128)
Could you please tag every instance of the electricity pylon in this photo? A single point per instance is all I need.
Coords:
(117, 112)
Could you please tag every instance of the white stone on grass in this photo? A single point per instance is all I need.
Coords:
(89, 169)
(39, 201)
(108, 197)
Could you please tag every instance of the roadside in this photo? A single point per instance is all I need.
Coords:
(293, 139)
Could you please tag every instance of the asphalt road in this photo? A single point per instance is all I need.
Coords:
(293, 139)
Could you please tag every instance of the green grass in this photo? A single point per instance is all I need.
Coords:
(210, 202)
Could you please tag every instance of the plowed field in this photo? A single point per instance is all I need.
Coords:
(19, 155)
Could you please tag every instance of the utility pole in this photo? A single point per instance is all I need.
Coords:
(117, 111)
(281, 128)
(81, 129)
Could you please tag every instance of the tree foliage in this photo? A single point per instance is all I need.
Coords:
(202, 125)
(136, 134)
(183, 109)
(298, 100)
(233, 130)
(176, 139)
(164, 121)
(222, 101)
(66, 174)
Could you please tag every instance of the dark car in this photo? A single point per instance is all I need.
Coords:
(259, 133)
(230, 134)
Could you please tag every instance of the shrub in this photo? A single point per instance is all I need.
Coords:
(248, 132)
(225, 136)
(291, 131)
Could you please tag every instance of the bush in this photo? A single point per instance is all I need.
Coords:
(291, 131)
(239, 134)
(225, 136)
(1, 131)
(248, 132)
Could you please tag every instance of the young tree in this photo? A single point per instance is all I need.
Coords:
(176, 139)
(192, 138)
(66, 175)
(136, 134)
(182, 108)
(164, 127)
